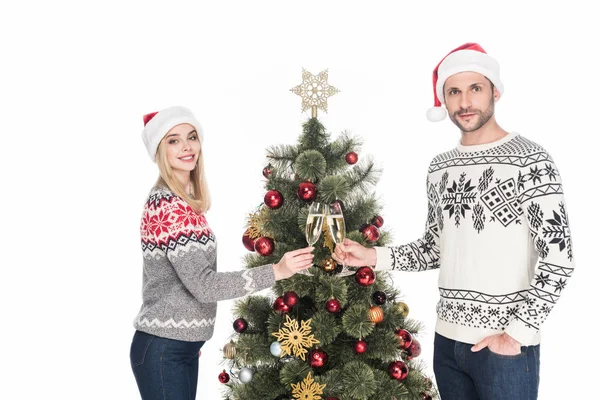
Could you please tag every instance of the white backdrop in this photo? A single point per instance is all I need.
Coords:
(76, 78)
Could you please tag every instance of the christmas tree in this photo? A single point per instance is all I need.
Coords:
(335, 332)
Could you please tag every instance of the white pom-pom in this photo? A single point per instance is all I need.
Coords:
(436, 114)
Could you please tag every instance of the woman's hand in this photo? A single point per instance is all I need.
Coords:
(293, 262)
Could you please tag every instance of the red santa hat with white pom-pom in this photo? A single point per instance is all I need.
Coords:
(158, 124)
(470, 57)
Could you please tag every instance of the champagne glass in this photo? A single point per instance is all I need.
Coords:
(337, 229)
(314, 225)
(314, 222)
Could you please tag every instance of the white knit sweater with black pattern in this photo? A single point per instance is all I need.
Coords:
(498, 230)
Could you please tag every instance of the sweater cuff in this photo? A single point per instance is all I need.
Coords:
(384, 258)
(263, 276)
(519, 331)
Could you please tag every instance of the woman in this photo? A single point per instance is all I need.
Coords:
(180, 282)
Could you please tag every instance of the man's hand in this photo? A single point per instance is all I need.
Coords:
(501, 343)
(354, 254)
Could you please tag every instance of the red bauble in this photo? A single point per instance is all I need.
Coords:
(351, 158)
(379, 298)
(360, 347)
(426, 396)
(364, 276)
(371, 233)
(404, 338)
(362, 228)
(223, 377)
(248, 243)
(398, 370)
(333, 306)
(290, 299)
(317, 358)
(240, 325)
(414, 350)
(280, 306)
(377, 221)
(264, 246)
(267, 171)
(307, 191)
(273, 199)
(341, 203)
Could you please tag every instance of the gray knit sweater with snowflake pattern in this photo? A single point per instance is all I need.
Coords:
(181, 284)
(498, 231)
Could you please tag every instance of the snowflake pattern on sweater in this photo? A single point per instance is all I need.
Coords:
(181, 284)
(498, 230)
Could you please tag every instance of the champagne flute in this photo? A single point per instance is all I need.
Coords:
(314, 225)
(314, 222)
(337, 229)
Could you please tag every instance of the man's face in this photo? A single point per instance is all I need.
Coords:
(470, 100)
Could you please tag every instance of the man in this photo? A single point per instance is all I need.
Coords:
(497, 228)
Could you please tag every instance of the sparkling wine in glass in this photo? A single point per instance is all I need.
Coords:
(314, 222)
(337, 229)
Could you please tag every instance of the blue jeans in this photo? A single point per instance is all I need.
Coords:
(463, 375)
(164, 368)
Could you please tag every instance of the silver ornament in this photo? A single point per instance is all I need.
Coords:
(245, 375)
(275, 349)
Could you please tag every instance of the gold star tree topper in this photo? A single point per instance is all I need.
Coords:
(294, 339)
(314, 91)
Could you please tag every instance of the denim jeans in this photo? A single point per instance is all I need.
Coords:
(164, 368)
(464, 375)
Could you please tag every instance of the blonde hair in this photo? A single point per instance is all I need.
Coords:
(200, 201)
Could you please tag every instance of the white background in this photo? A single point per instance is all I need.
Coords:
(76, 78)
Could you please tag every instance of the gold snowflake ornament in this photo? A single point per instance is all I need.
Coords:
(256, 223)
(308, 389)
(314, 91)
(295, 340)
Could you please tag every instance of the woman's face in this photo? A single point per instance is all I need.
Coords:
(183, 147)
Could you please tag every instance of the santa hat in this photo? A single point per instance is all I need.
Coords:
(158, 124)
(470, 57)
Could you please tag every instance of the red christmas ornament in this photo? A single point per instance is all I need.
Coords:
(280, 306)
(267, 171)
(426, 396)
(414, 350)
(404, 338)
(364, 276)
(223, 377)
(273, 199)
(264, 246)
(333, 306)
(360, 346)
(362, 228)
(351, 158)
(341, 203)
(307, 191)
(379, 297)
(248, 243)
(290, 299)
(240, 325)
(398, 370)
(317, 358)
(377, 221)
(371, 233)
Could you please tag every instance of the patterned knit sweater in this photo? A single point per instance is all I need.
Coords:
(497, 228)
(180, 283)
